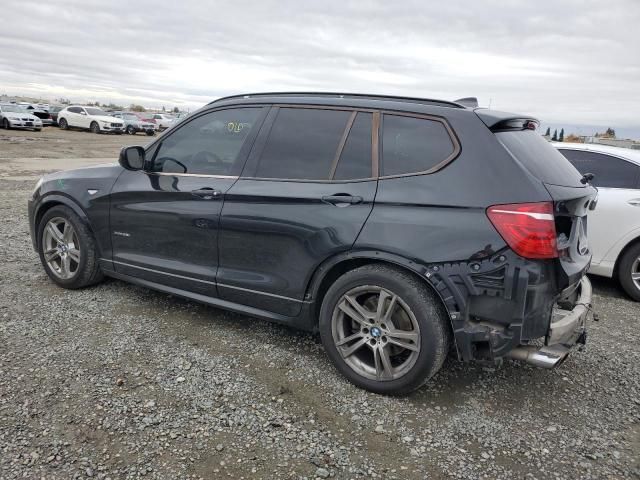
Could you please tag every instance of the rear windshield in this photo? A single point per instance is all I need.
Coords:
(540, 158)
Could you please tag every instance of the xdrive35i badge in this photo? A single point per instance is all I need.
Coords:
(122, 234)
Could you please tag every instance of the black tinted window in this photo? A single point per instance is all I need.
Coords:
(207, 145)
(540, 158)
(75, 109)
(302, 144)
(355, 160)
(608, 171)
(411, 145)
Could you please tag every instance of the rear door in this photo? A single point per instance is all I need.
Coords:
(304, 196)
(618, 211)
(570, 196)
(73, 116)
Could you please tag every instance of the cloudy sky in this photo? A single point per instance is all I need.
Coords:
(563, 61)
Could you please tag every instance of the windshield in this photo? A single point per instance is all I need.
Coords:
(129, 116)
(11, 108)
(95, 111)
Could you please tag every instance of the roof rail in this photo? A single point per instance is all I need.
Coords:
(430, 101)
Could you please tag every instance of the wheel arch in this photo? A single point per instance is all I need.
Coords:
(331, 269)
(50, 201)
(630, 244)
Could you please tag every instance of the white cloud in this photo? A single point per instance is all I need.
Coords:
(574, 61)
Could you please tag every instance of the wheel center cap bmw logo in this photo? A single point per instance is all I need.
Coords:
(375, 332)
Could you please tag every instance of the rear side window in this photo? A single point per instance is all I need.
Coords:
(608, 171)
(75, 109)
(355, 160)
(302, 144)
(413, 145)
(540, 158)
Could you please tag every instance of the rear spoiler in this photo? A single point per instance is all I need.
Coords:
(505, 121)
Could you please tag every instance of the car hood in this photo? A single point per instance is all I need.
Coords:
(20, 115)
(104, 170)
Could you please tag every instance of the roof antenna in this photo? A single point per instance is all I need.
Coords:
(471, 102)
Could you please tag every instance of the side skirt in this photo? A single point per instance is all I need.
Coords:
(302, 321)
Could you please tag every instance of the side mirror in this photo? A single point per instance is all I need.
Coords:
(132, 158)
(83, 112)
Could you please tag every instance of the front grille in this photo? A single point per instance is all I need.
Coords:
(116, 124)
(25, 119)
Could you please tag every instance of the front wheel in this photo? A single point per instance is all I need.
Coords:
(5, 124)
(629, 272)
(95, 128)
(384, 329)
(131, 130)
(68, 249)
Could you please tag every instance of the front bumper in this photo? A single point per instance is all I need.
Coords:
(25, 124)
(109, 128)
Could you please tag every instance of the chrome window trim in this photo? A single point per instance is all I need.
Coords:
(199, 175)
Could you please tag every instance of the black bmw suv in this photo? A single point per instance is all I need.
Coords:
(396, 227)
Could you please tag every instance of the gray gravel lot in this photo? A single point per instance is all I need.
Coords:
(117, 381)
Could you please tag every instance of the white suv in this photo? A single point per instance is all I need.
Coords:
(91, 118)
(614, 226)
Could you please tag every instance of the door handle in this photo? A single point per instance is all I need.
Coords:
(634, 201)
(206, 193)
(342, 199)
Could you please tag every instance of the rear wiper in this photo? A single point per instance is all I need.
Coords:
(586, 178)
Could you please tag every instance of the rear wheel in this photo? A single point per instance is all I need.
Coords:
(384, 329)
(95, 128)
(67, 249)
(150, 133)
(629, 272)
(131, 130)
(63, 124)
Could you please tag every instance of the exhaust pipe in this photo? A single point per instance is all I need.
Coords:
(543, 357)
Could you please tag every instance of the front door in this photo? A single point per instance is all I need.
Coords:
(164, 221)
(304, 195)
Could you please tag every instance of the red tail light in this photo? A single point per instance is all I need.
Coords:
(528, 228)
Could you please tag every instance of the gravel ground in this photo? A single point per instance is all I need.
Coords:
(118, 381)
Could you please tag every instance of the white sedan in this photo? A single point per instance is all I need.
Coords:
(91, 118)
(13, 116)
(614, 226)
(163, 120)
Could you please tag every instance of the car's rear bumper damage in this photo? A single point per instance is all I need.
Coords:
(567, 329)
(505, 306)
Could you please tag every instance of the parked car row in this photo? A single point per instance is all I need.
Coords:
(35, 117)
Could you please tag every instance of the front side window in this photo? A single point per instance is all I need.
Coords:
(608, 171)
(413, 145)
(302, 144)
(207, 145)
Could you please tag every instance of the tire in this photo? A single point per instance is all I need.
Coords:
(87, 269)
(63, 124)
(5, 124)
(628, 267)
(415, 305)
(131, 130)
(94, 127)
(150, 133)
(38, 129)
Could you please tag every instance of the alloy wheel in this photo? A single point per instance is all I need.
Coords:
(376, 333)
(61, 248)
(635, 272)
